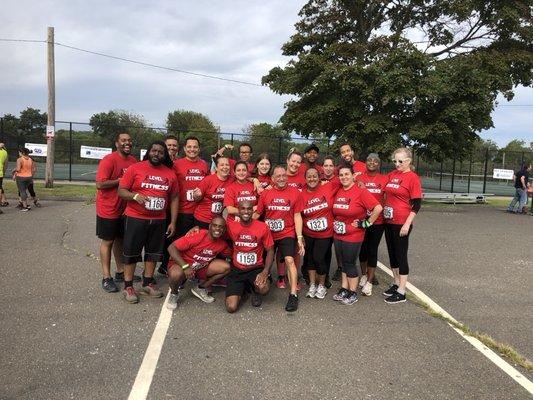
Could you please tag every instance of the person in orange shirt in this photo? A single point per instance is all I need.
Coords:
(23, 175)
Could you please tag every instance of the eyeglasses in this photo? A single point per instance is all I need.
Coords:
(400, 161)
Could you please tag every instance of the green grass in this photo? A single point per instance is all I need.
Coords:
(59, 191)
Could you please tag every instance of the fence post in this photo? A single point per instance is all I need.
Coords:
(279, 149)
(232, 155)
(453, 175)
(485, 172)
(70, 152)
(440, 180)
(469, 173)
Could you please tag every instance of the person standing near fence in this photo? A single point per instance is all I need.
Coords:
(3, 168)
(403, 197)
(348, 156)
(149, 187)
(109, 209)
(520, 184)
(23, 175)
(375, 183)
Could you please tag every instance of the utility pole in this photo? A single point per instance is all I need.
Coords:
(50, 125)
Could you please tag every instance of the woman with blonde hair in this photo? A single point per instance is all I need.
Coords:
(403, 196)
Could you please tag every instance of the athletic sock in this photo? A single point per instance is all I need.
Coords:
(128, 284)
(147, 280)
(401, 291)
(119, 275)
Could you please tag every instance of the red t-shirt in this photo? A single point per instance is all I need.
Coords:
(401, 188)
(298, 180)
(190, 174)
(159, 184)
(349, 205)
(279, 207)
(359, 167)
(198, 250)
(212, 203)
(316, 214)
(375, 185)
(264, 180)
(237, 192)
(249, 243)
(111, 167)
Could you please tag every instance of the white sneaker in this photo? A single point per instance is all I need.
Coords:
(321, 292)
(311, 292)
(202, 294)
(172, 303)
(362, 281)
(367, 289)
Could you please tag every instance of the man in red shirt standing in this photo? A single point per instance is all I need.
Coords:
(109, 209)
(194, 255)
(190, 170)
(348, 156)
(251, 238)
(281, 207)
(148, 187)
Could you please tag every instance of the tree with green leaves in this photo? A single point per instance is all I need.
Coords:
(183, 123)
(109, 124)
(425, 74)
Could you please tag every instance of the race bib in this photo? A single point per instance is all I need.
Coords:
(388, 212)
(196, 266)
(317, 224)
(216, 207)
(155, 203)
(339, 227)
(189, 195)
(247, 258)
(275, 225)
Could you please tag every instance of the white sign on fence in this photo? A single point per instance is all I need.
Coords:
(94, 152)
(143, 152)
(36, 149)
(502, 173)
(50, 131)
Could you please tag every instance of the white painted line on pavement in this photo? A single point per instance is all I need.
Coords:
(142, 383)
(491, 355)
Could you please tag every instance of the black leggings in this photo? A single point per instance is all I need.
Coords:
(317, 250)
(397, 246)
(347, 254)
(370, 246)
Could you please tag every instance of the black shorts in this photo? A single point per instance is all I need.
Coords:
(285, 247)
(1, 182)
(184, 224)
(238, 281)
(370, 246)
(143, 233)
(109, 228)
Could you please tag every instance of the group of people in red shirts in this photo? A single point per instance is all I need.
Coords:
(229, 225)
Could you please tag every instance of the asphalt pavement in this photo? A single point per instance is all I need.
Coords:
(63, 337)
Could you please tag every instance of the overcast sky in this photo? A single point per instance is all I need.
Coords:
(232, 39)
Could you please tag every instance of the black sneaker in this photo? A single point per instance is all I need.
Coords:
(292, 303)
(391, 290)
(109, 285)
(395, 298)
(375, 281)
(337, 275)
(119, 277)
(257, 299)
(37, 204)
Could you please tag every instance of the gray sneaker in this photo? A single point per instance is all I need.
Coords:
(311, 292)
(130, 295)
(202, 294)
(172, 303)
(109, 285)
(151, 290)
(349, 300)
(321, 292)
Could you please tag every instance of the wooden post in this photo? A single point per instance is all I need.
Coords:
(49, 171)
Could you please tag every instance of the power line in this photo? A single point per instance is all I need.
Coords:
(158, 66)
(137, 62)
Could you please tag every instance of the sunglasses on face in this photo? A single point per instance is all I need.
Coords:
(399, 161)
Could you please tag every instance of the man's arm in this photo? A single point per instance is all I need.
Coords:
(174, 203)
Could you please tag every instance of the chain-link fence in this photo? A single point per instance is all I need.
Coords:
(472, 175)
